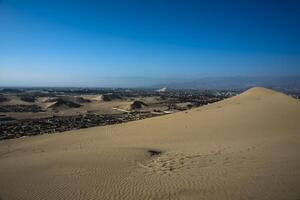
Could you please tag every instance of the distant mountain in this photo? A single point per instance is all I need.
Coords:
(238, 82)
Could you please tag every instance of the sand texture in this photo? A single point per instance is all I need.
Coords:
(245, 147)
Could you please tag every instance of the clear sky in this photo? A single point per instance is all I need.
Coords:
(103, 43)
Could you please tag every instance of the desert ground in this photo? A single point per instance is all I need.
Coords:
(244, 147)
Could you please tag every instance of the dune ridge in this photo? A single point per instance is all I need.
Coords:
(244, 147)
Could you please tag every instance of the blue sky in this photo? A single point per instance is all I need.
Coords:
(136, 42)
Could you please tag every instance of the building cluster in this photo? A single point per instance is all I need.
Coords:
(19, 128)
(20, 108)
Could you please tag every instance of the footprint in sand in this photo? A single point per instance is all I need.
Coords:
(167, 163)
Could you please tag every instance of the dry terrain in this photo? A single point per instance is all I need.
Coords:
(244, 147)
(72, 105)
(36, 111)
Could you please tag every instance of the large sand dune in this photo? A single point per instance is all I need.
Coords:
(245, 147)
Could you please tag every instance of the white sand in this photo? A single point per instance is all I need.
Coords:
(245, 147)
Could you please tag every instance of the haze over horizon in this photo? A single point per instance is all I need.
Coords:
(137, 43)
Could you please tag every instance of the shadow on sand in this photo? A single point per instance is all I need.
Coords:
(152, 153)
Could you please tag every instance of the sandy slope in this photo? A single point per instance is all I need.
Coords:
(245, 147)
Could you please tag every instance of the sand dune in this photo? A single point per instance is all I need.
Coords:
(61, 103)
(132, 106)
(245, 147)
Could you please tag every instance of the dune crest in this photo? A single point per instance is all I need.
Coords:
(259, 91)
(245, 147)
